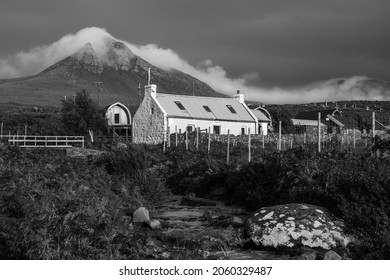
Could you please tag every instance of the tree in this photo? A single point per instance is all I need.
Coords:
(80, 114)
(284, 115)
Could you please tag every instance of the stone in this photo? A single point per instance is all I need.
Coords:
(154, 224)
(294, 226)
(141, 215)
(191, 200)
(120, 145)
(209, 215)
(307, 254)
(332, 255)
(236, 221)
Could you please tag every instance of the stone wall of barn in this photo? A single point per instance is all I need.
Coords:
(148, 121)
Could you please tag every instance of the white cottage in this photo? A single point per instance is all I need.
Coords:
(160, 113)
(118, 120)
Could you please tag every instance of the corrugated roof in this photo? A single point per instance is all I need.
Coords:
(260, 116)
(194, 109)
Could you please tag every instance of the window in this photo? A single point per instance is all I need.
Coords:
(116, 118)
(217, 129)
(190, 127)
(242, 130)
(181, 107)
(152, 111)
(230, 107)
(207, 108)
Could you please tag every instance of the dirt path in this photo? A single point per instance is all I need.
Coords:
(216, 231)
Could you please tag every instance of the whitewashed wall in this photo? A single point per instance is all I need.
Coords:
(234, 127)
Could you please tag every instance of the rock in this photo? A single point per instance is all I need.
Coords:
(141, 215)
(209, 215)
(332, 255)
(307, 254)
(120, 145)
(191, 200)
(154, 224)
(236, 221)
(295, 225)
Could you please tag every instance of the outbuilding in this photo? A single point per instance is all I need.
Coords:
(118, 120)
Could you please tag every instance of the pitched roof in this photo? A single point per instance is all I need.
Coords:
(336, 121)
(313, 115)
(199, 107)
(260, 115)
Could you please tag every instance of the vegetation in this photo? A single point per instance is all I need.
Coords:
(353, 186)
(81, 114)
(56, 207)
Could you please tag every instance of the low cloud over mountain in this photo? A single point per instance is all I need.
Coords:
(41, 57)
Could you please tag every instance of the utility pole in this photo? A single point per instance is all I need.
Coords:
(99, 86)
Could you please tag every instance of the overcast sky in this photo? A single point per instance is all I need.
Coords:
(267, 43)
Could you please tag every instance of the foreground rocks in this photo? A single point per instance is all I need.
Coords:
(294, 226)
(216, 231)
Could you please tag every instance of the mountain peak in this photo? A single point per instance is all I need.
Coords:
(107, 52)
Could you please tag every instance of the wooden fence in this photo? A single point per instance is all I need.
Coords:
(29, 141)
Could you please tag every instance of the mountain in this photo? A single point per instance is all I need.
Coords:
(353, 88)
(109, 68)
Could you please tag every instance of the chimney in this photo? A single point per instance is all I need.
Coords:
(151, 90)
(239, 96)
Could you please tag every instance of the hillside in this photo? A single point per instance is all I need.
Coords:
(114, 67)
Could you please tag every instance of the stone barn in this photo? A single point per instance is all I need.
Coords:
(118, 120)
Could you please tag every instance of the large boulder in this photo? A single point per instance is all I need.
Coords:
(295, 225)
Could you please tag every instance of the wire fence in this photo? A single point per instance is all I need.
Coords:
(350, 134)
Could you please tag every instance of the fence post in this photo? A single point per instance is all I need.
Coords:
(186, 140)
(373, 125)
(175, 135)
(169, 137)
(228, 147)
(249, 145)
(164, 141)
(354, 139)
(262, 139)
(280, 136)
(208, 140)
(2, 130)
(319, 131)
(197, 138)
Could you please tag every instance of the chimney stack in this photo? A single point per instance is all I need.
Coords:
(151, 90)
(240, 97)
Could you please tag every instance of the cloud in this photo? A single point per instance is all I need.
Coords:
(37, 59)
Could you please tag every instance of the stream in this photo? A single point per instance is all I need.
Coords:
(213, 229)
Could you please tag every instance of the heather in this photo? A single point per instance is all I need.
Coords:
(57, 207)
